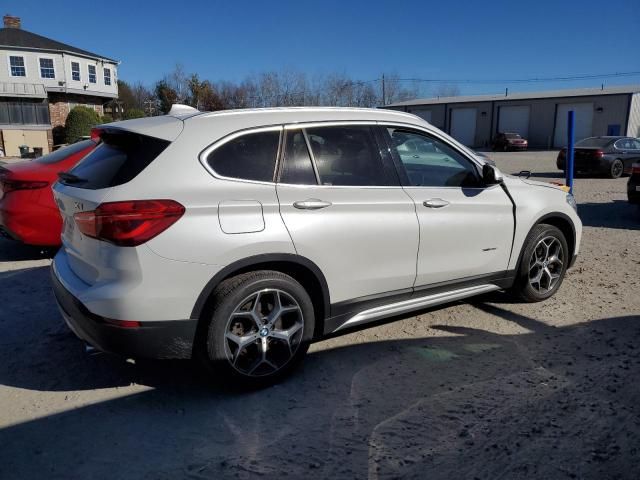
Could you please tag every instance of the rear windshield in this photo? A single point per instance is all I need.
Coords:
(65, 152)
(594, 142)
(118, 159)
(512, 135)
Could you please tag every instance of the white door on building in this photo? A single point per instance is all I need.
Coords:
(583, 125)
(514, 120)
(424, 114)
(463, 125)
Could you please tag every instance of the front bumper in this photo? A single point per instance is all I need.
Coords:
(163, 339)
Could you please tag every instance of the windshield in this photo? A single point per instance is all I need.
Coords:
(512, 135)
(65, 152)
(594, 142)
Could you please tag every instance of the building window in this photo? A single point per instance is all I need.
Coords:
(24, 112)
(107, 76)
(75, 71)
(46, 68)
(17, 66)
(92, 73)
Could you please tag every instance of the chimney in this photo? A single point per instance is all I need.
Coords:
(11, 21)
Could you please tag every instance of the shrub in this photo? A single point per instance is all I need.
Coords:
(133, 113)
(79, 123)
(106, 119)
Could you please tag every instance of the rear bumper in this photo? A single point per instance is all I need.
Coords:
(28, 222)
(164, 339)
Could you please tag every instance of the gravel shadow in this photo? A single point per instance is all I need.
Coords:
(615, 214)
(552, 403)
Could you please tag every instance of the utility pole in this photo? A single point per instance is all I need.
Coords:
(384, 92)
(149, 107)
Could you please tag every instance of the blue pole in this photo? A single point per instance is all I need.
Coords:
(571, 135)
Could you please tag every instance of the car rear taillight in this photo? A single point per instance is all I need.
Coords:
(635, 169)
(598, 154)
(129, 223)
(9, 185)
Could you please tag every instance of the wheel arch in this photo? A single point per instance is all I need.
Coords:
(303, 270)
(563, 223)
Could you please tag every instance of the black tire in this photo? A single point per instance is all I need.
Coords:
(505, 148)
(523, 287)
(616, 169)
(214, 346)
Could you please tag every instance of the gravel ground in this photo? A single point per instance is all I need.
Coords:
(487, 389)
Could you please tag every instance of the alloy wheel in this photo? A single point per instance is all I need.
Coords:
(264, 332)
(545, 265)
(617, 169)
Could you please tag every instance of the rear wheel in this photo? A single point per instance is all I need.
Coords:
(616, 169)
(259, 328)
(543, 264)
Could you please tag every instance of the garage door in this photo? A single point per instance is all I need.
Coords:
(583, 125)
(514, 120)
(424, 114)
(13, 139)
(463, 125)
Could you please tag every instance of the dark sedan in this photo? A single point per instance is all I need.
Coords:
(611, 156)
(633, 185)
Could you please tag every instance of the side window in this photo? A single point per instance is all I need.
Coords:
(348, 155)
(297, 168)
(636, 144)
(248, 157)
(429, 162)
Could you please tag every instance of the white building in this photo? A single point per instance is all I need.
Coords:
(41, 80)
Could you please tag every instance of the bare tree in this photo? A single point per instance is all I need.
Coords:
(446, 90)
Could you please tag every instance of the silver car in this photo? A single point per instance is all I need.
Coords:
(240, 237)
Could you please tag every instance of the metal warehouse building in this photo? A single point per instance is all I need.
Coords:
(540, 117)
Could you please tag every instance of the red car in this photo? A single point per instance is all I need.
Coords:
(28, 212)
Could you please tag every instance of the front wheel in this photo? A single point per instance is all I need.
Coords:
(260, 327)
(543, 264)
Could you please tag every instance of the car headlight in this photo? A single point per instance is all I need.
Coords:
(571, 200)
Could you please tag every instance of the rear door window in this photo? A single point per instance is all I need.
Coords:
(350, 156)
(248, 157)
(118, 159)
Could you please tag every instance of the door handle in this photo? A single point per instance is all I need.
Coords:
(311, 204)
(435, 203)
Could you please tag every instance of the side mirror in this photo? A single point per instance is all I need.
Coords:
(491, 175)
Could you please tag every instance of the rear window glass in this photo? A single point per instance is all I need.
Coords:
(248, 157)
(118, 159)
(594, 142)
(65, 152)
(348, 156)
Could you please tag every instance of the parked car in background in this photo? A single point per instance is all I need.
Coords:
(509, 141)
(633, 185)
(240, 237)
(28, 212)
(610, 156)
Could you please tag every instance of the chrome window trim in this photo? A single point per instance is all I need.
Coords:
(232, 136)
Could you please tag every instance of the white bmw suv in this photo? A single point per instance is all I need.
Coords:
(240, 237)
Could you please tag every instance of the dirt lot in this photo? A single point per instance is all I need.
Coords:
(488, 389)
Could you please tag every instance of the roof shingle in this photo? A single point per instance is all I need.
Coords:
(16, 37)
